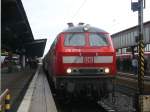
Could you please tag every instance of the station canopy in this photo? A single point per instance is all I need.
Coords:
(16, 34)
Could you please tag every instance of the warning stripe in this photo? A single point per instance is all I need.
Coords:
(142, 64)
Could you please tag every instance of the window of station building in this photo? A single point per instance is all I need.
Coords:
(131, 38)
(147, 48)
(114, 41)
(146, 34)
(120, 41)
(136, 49)
(118, 51)
(117, 41)
(128, 49)
(125, 40)
(124, 50)
(135, 36)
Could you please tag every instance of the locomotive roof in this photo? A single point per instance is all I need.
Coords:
(81, 29)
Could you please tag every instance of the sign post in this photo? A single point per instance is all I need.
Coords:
(138, 6)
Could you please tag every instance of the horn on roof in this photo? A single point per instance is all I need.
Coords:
(81, 23)
(70, 24)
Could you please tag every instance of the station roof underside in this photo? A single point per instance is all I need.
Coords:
(16, 31)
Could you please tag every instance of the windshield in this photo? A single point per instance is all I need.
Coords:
(97, 39)
(74, 39)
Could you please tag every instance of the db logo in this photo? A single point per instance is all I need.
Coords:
(88, 60)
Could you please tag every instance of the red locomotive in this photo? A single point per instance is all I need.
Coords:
(82, 60)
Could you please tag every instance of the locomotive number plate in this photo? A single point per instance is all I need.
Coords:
(88, 59)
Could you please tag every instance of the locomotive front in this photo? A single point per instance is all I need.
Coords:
(85, 61)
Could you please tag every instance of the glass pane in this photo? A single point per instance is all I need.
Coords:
(98, 39)
(74, 39)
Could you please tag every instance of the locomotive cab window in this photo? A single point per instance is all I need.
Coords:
(74, 39)
(96, 39)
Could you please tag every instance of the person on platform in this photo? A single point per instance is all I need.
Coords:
(134, 65)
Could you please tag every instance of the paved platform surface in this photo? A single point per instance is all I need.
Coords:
(42, 100)
(38, 97)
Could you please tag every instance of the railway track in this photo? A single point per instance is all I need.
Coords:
(129, 82)
(146, 78)
(107, 107)
(81, 105)
(126, 89)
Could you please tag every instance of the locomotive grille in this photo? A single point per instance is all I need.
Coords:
(88, 71)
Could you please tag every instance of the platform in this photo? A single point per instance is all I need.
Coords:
(17, 82)
(38, 97)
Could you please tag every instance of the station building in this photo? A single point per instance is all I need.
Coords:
(126, 44)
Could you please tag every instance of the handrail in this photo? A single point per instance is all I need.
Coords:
(5, 101)
(2, 96)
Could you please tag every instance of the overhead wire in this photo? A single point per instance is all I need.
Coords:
(78, 10)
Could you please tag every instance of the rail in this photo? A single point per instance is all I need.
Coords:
(146, 78)
(5, 101)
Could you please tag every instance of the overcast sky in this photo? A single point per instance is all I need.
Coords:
(47, 18)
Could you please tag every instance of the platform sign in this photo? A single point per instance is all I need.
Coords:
(135, 6)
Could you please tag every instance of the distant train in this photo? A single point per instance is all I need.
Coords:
(124, 61)
(82, 61)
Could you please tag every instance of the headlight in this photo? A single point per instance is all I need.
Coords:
(107, 70)
(68, 70)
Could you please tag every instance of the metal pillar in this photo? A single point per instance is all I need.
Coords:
(138, 6)
(141, 56)
(141, 49)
